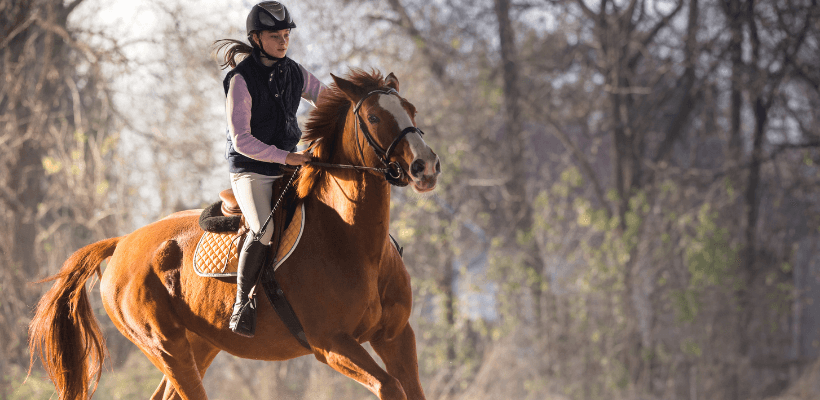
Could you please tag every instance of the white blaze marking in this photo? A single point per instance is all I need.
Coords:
(392, 104)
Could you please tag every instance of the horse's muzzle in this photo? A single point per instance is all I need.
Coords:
(425, 173)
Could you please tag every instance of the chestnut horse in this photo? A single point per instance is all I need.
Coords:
(345, 280)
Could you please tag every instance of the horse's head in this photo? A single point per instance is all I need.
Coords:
(386, 123)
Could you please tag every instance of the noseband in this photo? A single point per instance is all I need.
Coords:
(393, 170)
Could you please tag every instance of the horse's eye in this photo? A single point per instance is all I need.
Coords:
(373, 119)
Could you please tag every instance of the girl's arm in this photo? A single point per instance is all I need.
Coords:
(238, 110)
(313, 87)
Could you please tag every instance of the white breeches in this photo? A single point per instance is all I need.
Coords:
(253, 192)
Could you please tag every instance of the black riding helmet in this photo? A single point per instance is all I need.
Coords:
(269, 16)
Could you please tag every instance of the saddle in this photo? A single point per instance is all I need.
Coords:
(229, 205)
(217, 253)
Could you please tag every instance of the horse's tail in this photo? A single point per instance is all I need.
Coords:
(64, 332)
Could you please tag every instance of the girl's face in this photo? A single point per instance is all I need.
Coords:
(274, 43)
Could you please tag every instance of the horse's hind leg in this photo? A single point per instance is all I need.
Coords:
(399, 356)
(174, 357)
(204, 354)
(136, 297)
(347, 356)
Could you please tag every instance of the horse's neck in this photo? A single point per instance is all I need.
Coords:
(361, 198)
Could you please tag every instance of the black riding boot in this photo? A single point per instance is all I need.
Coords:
(251, 259)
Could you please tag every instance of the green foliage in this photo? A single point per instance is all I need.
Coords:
(690, 347)
(594, 289)
(572, 176)
(709, 256)
(618, 376)
(710, 260)
(511, 277)
(729, 187)
(780, 294)
(17, 387)
(686, 305)
(137, 378)
(438, 341)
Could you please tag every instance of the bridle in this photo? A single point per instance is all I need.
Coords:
(395, 171)
(392, 170)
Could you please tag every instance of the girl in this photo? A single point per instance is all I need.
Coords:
(263, 93)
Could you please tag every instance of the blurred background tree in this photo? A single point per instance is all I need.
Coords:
(58, 144)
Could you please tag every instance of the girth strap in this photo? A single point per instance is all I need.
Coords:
(282, 307)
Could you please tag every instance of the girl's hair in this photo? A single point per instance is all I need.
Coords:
(231, 49)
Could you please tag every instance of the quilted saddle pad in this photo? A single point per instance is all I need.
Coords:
(217, 254)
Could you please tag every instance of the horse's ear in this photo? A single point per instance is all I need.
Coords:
(351, 90)
(391, 81)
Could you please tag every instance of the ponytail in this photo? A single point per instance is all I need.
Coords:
(232, 49)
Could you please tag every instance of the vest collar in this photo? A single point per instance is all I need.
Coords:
(260, 59)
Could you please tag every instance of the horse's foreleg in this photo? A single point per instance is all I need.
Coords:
(204, 354)
(347, 356)
(399, 356)
(159, 394)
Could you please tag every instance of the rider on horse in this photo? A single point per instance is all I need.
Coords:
(263, 94)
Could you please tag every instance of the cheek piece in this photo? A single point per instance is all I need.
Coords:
(395, 172)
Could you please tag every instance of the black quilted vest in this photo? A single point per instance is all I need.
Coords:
(275, 94)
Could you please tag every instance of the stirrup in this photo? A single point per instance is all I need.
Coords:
(243, 319)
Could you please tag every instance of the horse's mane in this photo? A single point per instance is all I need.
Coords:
(326, 123)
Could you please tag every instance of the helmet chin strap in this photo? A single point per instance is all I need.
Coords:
(265, 54)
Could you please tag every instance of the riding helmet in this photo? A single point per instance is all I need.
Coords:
(269, 16)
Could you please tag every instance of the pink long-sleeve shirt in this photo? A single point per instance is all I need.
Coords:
(238, 111)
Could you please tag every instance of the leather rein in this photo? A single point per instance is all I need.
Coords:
(392, 170)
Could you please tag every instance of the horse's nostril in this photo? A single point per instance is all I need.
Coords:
(438, 166)
(417, 167)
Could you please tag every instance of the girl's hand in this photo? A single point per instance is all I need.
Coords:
(297, 159)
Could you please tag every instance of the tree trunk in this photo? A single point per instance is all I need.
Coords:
(748, 261)
(516, 142)
(732, 10)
